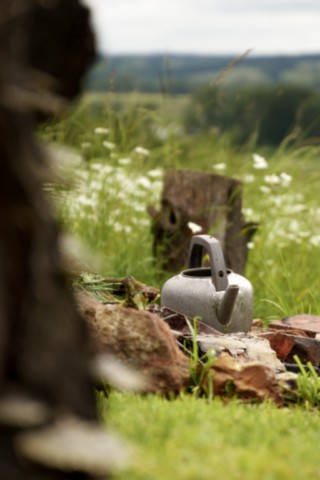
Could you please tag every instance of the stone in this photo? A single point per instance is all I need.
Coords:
(307, 349)
(181, 324)
(139, 339)
(280, 342)
(308, 323)
(242, 347)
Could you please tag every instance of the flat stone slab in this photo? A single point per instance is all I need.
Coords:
(243, 347)
(308, 323)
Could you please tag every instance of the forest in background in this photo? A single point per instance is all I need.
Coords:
(185, 73)
(255, 100)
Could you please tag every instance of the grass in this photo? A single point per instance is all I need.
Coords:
(190, 438)
(118, 175)
(308, 385)
(114, 183)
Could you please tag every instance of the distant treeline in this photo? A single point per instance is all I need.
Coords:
(264, 115)
(263, 100)
(185, 73)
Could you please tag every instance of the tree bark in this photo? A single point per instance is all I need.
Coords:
(211, 201)
(44, 352)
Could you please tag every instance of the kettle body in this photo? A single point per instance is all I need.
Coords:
(218, 296)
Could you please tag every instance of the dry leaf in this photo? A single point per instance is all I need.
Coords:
(252, 381)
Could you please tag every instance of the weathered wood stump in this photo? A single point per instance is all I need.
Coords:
(211, 201)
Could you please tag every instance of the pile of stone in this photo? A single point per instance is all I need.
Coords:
(159, 346)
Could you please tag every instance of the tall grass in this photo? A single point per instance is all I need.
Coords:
(122, 151)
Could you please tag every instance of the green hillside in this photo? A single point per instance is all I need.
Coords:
(185, 73)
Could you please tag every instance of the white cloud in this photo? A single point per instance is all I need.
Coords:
(262, 6)
(207, 26)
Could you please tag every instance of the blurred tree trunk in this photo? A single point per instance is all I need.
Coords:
(44, 350)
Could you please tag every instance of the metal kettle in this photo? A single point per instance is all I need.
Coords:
(220, 297)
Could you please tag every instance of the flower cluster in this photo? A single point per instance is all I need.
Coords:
(281, 212)
(259, 163)
(114, 197)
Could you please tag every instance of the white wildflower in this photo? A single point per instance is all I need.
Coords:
(87, 277)
(127, 229)
(248, 212)
(141, 151)
(95, 166)
(259, 163)
(219, 166)
(83, 200)
(144, 182)
(115, 213)
(156, 173)
(94, 185)
(101, 131)
(249, 178)
(285, 179)
(272, 179)
(297, 208)
(140, 194)
(265, 189)
(162, 133)
(108, 145)
(124, 161)
(144, 222)
(315, 240)
(250, 245)
(104, 169)
(118, 227)
(277, 200)
(294, 225)
(156, 186)
(83, 174)
(304, 234)
(138, 207)
(95, 195)
(194, 227)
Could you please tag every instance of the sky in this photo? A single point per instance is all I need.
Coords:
(268, 27)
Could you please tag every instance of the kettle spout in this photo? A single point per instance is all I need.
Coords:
(227, 303)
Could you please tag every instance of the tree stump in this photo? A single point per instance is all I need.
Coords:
(213, 202)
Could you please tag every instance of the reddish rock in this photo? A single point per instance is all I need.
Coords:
(140, 339)
(310, 324)
(290, 342)
(281, 343)
(290, 331)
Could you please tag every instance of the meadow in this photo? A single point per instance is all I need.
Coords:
(111, 152)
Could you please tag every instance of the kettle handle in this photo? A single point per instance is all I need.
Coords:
(217, 263)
